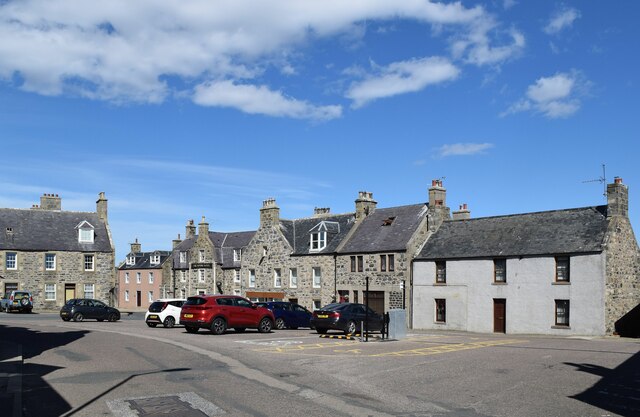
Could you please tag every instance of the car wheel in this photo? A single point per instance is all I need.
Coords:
(240, 329)
(280, 324)
(321, 331)
(218, 326)
(293, 327)
(66, 319)
(100, 319)
(78, 317)
(113, 317)
(152, 324)
(190, 329)
(169, 322)
(265, 325)
(351, 327)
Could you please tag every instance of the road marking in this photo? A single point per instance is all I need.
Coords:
(270, 342)
(455, 347)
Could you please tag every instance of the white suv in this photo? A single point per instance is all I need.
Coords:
(165, 311)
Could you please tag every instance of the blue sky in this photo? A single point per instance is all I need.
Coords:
(182, 109)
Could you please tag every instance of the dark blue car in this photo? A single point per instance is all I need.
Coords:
(288, 315)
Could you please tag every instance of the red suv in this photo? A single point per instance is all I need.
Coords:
(220, 312)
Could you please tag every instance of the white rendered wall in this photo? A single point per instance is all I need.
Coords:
(530, 294)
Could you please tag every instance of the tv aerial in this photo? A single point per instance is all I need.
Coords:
(601, 180)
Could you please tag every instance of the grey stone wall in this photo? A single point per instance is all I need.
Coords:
(31, 275)
(622, 288)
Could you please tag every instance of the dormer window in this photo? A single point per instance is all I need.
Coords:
(237, 255)
(85, 232)
(131, 260)
(318, 240)
(155, 259)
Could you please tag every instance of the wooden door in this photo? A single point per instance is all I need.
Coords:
(139, 298)
(499, 315)
(69, 292)
(376, 301)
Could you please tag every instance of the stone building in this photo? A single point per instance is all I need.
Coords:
(57, 255)
(561, 272)
(207, 262)
(144, 277)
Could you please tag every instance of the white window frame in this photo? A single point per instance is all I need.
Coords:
(201, 255)
(11, 262)
(183, 293)
(237, 255)
(86, 234)
(50, 265)
(293, 278)
(126, 295)
(49, 289)
(151, 277)
(316, 275)
(150, 296)
(201, 291)
(236, 291)
(183, 257)
(277, 277)
(126, 277)
(131, 260)
(252, 278)
(318, 241)
(201, 275)
(236, 275)
(154, 260)
(138, 277)
(183, 276)
(87, 256)
(89, 291)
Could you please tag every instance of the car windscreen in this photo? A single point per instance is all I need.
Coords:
(195, 301)
(156, 306)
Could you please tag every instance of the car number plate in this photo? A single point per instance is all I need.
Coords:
(322, 316)
(188, 316)
(153, 316)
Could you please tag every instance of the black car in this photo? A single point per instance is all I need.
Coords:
(288, 315)
(80, 309)
(346, 317)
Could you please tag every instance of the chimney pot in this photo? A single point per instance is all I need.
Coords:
(617, 180)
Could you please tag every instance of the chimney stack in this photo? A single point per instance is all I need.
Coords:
(269, 213)
(176, 242)
(101, 207)
(190, 230)
(321, 211)
(136, 247)
(50, 202)
(463, 213)
(617, 198)
(365, 205)
(203, 229)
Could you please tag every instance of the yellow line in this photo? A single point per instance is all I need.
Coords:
(433, 350)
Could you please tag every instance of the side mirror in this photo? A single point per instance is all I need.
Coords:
(254, 306)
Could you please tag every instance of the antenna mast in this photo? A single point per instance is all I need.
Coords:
(601, 180)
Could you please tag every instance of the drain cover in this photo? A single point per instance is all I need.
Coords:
(186, 404)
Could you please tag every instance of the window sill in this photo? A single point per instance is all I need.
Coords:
(439, 284)
(441, 323)
(561, 283)
(560, 327)
(498, 283)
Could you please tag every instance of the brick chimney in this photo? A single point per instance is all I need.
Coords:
(321, 211)
(50, 202)
(101, 207)
(190, 230)
(617, 198)
(365, 205)
(203, 228)
(176, 242)
(269, 213)
(438, 210)
(136, 247)
(463, 213)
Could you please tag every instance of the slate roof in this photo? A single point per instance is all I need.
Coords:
(580, 230)
(386, 230)
(50, 230)
(298, 232)
(224, 244)
(143, 260)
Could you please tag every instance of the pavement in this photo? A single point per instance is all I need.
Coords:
(11, 379)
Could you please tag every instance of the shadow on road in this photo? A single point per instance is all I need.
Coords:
(617, 391)
(38, 397)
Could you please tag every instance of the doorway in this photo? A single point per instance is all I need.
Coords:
(139, 298)
(69, 292)
(376, 301)
(499, 315)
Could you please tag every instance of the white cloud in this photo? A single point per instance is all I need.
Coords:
(402, 77)
(561, 20)
(260, 100)
(463, 149)
(557, 96)
(507, 4)
(123, 51)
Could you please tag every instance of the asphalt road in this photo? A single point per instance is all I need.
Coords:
(128, 369)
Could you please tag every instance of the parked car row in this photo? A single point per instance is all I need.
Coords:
(218, 313)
